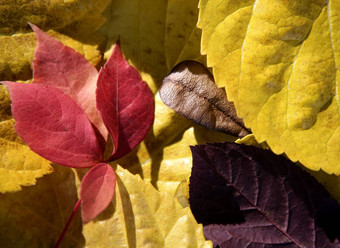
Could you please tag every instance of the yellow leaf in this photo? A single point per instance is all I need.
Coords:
(182, 193)
(182, 36)
(140, 216)
(47, 14)
(279, 63)
(36, 216)
(250, 140)
(154, 35)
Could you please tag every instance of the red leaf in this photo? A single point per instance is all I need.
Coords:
(53, 125)
(97, 190)
(124, 102)
(60, 66)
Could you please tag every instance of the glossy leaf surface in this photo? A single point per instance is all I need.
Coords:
(247, 196)
(125, 103)
(53, 125)
(96, 191)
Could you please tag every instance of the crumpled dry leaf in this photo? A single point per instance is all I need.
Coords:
(190, 90)
(140, 216)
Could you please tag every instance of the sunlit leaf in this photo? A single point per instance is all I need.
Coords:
(62, 67)
(283, 76)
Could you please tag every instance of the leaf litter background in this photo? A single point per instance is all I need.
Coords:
(151, 42)
(154, 37)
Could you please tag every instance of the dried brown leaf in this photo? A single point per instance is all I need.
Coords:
(191, 91)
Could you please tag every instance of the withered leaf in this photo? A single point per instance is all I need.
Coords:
(190, 90)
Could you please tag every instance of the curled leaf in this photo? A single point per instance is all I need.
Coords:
(96, 191)
(246, 197)
(190, 90)
(53, 125)
(124, 102)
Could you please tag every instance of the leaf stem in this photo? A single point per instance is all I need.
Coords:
(61, 237)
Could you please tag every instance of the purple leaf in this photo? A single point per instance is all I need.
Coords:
(53, 125)
(249, 197)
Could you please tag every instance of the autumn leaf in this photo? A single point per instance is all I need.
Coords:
(96, 191)
(53, 125)
(57, 115)
(19, 165)
(126, 106)
(139, 215)
(282, 77)
(247, 196)
(190, 90)
(68, 71)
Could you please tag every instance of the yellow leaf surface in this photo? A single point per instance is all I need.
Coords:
(36, 216)
(140, 216)
(57, 14)
(154, 35)
(279, 63)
